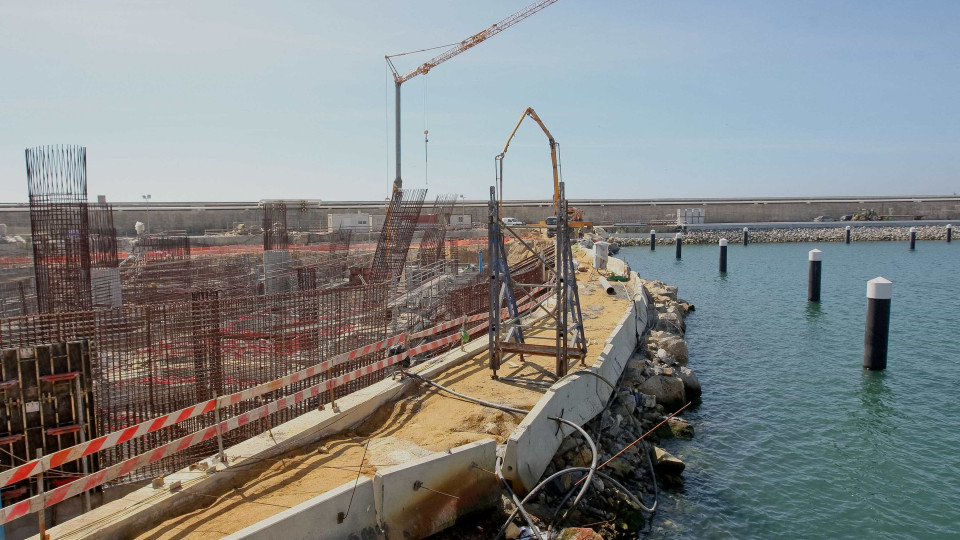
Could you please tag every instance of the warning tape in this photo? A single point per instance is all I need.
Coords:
(110, 440)
(38, 502)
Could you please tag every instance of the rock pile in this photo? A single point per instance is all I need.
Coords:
(655, 383)
(820, 234)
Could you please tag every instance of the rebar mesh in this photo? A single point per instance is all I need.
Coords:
(57, 185)
(397, 233)
(150, 360)
(275, 235)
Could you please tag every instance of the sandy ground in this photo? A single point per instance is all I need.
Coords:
(425, 422)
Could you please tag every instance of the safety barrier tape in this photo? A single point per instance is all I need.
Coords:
(110, 440)
(38, 502)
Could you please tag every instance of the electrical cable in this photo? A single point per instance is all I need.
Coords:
(516, 501)
(505, 408)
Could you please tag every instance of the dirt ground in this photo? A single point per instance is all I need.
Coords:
(412, 427)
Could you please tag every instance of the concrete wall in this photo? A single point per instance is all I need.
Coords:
(577, 398)
(197, 217)
(408, 501)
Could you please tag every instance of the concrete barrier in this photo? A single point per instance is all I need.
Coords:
(421, 498)
(579, 397)
(319, 518)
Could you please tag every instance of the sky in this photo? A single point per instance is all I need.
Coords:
(241, 101)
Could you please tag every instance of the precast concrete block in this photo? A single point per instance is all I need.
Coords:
(427, 495)
(343, 512)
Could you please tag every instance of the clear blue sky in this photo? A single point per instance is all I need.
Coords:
(699, 98)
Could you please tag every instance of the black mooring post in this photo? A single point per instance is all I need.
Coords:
(949, 232)
(746, 236)
(913, 238)
(879, 293)
(813, 277)
(848, 234)
(723, 255)
(679, 238)
(653, 240)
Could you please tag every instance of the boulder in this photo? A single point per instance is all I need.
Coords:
(667, 463)
(691, 384)
(669, 391)
(675, 347)
(670, 322)
(679, 428)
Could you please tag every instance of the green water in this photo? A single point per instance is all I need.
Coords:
(793, 438)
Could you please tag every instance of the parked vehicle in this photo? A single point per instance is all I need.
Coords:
(512, 222)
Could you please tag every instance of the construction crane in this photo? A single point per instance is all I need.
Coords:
(574, 215)
(468, 43)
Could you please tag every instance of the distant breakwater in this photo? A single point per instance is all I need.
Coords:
(778, 236)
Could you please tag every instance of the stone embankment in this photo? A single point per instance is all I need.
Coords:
(762, 236)
(655, 383)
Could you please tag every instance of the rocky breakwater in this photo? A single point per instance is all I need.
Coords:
(799, 234)
(655, 384)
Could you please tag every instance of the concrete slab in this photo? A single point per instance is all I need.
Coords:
(425, 496)
(319, 518)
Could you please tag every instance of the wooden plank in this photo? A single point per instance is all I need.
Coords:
(538, 350)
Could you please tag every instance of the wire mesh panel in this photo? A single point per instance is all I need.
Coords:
(275, 225)
(398, 229)
(57, 185)
(160, 271)
(150, 360)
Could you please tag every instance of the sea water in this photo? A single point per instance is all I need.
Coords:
(793, 438)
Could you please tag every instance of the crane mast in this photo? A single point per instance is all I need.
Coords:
(453, 51)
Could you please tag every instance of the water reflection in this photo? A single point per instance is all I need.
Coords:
(874, 393)
(814, 311)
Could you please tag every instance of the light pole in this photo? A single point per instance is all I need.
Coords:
(146, 199)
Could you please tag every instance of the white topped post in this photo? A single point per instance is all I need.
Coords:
(877, 333)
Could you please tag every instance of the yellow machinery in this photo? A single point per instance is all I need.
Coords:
(575, 215)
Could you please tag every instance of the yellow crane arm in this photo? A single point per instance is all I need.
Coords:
(553, 151)
(473, 40)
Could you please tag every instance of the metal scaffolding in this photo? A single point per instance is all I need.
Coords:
(561, 323)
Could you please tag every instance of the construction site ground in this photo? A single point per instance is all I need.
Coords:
(427, 421)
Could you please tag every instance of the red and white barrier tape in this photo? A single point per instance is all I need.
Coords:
(110, 440)
(38, 502)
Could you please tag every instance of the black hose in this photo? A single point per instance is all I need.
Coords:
(490, 404)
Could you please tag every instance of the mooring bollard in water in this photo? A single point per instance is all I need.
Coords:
(913, 238)
(679, 238)
(723, 255)
(653, 240)
(746, 236)
(879, 293)
(949, 232)
(813, 278)
(848, 234)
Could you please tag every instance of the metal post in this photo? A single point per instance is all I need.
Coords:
(879, 293)
(813, 277)
(42, 514)
(949, 232)
(723, 255)
(848, 234)
(216, 418)
(653, 240)
(398, 183)
(679, 238)
(83, 439)
(913, 238)
(746, 236)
